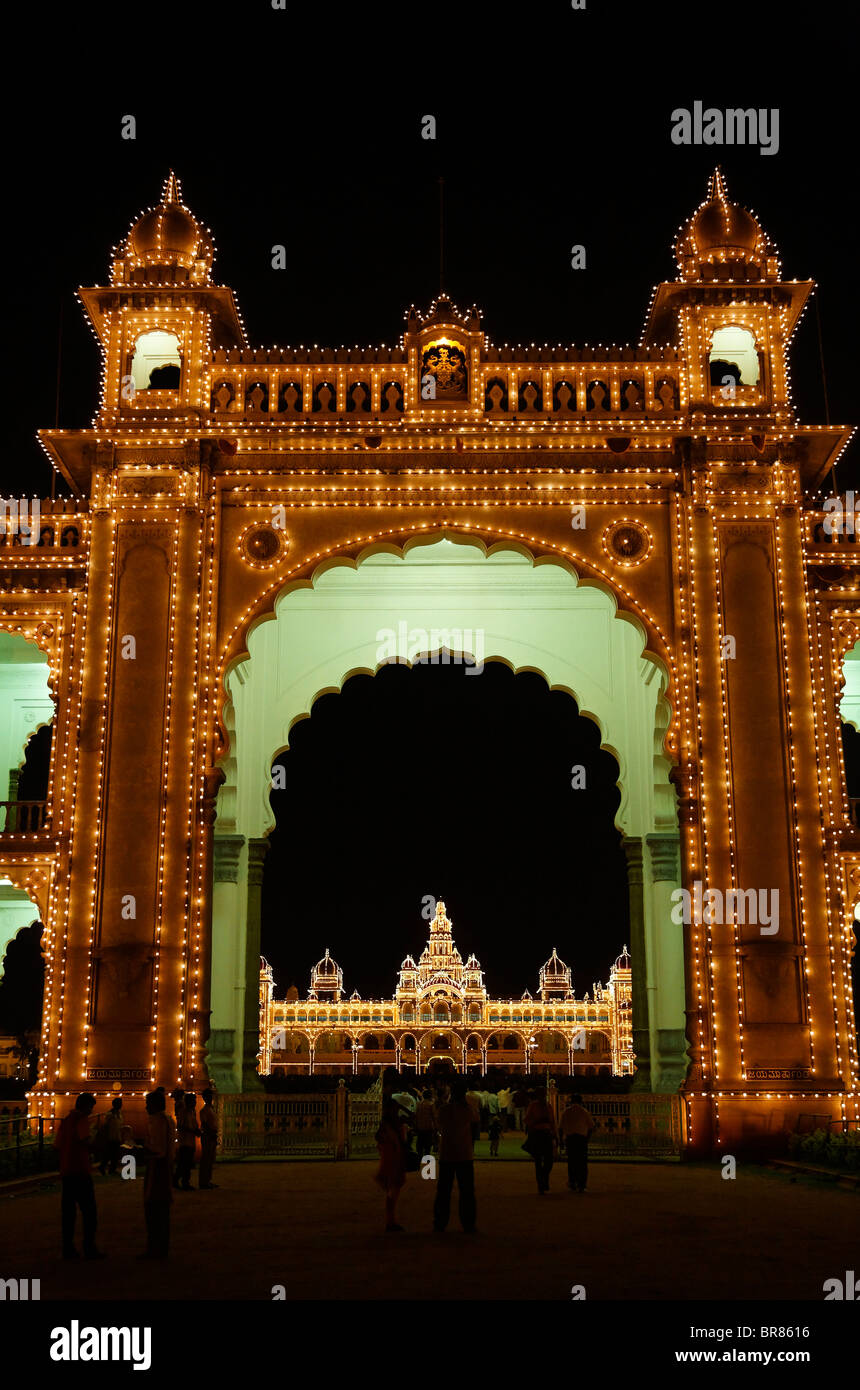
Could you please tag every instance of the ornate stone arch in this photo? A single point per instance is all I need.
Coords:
(618, 672)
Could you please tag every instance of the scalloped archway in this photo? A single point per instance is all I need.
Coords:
(495, 603)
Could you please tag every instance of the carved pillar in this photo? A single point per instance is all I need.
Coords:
(200, 1020)
(670, 1055)
(227, 987)
(633, 849)
(251, 1046)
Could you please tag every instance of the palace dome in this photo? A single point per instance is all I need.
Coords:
(721, 231)
(326, 966)
(408, 964)
(554, 966)
(623, 961)
(169, 235)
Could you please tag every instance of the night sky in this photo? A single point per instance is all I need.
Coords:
(304, 129)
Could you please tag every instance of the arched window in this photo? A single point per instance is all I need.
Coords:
(733, 346)
(156, 364)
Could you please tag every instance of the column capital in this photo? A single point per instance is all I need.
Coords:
(634, 851)
(257, 851)
(226, 851)
(665, 848)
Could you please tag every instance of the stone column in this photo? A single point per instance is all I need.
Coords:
(633, 849)
(224, 1055)
(670, 1054)
(251, 1045)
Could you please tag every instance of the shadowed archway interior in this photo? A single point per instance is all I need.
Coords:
(391, 795)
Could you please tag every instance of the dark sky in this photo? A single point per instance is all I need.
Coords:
(304, 128)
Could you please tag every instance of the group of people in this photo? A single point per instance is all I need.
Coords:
(169, 1150)
(449, 1123)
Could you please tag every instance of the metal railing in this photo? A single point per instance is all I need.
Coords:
(25, 1145)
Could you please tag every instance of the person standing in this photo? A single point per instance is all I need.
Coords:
(111, 1138)
(473, 1100)
(455, 1122)
(521, 1100)
(208, 1141)
(157, 1187)
(542, 1138)
(407, 1104)
(74, 1144)
(577, 1125)
(391, 1173)
(178, 1098)
(187, 1133)
(425, 1125)
(495, 1133)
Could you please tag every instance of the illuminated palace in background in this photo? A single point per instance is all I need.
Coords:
(441, 1012)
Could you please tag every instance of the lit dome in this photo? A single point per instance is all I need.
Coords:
(623, 961)
(169, 235)
(721, 232)
(554, 966)
(327, 978)
(326, 966)
(408, 964)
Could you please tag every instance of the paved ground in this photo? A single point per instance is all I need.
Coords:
(640, 1232)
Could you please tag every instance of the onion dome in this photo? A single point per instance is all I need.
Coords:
(168, 236)
(473, 963)
(721, 232)
(327, 976)
(623, 961)
(554, 976)
(408, 964)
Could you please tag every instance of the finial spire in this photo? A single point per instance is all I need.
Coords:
(172, 191)
(717, 186)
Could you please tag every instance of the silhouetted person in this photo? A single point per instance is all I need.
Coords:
(74, 1144)
(541, 1130)
(208, 1140)
(473, 1100)
(157, 1189)
(495, 1133)
(178, 1098)
(391, 1173)
(425, 1124)
(576, 1128)
(454, 1121)
(111, 1138)
(187, 1132)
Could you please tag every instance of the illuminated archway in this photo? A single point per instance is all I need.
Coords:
(498, 603)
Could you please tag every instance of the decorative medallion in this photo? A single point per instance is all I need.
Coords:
(627, 543)
(263, 545)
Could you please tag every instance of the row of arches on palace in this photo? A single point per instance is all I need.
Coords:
(253, 396)
(50, 537)
(296, 1042)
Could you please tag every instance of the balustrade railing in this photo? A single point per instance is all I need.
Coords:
(23, 817)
